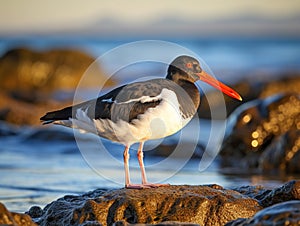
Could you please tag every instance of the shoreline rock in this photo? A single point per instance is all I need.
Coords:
(14, 219)
(263, 135)
(172, 205)
(286, 213)
(202, 205)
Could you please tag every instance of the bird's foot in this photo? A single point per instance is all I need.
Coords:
(145, 185)
(153, 185)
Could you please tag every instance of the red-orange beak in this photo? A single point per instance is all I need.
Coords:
(205, 77)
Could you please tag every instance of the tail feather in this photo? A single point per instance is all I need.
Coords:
(53, 116)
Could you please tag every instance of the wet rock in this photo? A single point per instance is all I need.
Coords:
(283, 153)
(35, 212)
(259, 86)
(14, 219)
(281, 205)
(30, 81)
(286, 213)
(204, 205)
(287, 192)
(268, 197)
(263, 136)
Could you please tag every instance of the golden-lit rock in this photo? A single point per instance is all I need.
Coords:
(173, 205)
(204, 205)
(263, 135)
(30, 71)
(14, 219)
(29, 79)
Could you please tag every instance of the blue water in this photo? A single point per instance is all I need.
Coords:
(38, 165)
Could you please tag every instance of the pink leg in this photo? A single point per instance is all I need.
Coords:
(145, 183)
(126, 165)
(127, 174)
(140, 156)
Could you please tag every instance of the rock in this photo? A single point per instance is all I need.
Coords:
(14, 219)
(23, 113)
(269, 197)
(283, 153)
(30, 82)
(259, 86)
(281, 205)
(35, 212)
(27, 71)
(287, 192)
(263, 136)
(204, 205)
(286, 213)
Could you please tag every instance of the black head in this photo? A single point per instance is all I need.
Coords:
(187, 69)
(184, 68)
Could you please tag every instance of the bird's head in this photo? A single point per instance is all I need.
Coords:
(188, 68)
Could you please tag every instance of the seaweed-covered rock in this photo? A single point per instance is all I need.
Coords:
(204, 205)
(14, 219)
(263, 136)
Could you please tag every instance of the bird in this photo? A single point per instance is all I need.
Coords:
(142, 111)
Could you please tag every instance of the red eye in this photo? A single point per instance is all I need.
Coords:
(189, 65)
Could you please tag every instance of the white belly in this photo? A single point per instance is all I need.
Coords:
(161, 121)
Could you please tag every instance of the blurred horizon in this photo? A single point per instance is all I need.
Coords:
(155, 19)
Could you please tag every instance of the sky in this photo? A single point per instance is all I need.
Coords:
(156, 16)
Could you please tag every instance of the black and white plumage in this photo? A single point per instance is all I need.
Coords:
(142, 111)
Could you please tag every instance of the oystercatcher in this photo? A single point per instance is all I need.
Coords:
(141, 111)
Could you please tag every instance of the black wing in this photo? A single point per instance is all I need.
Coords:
(120, 103)
(126, 102)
